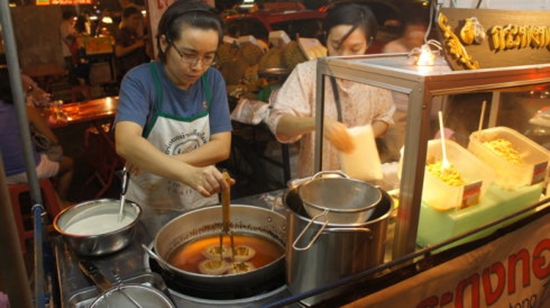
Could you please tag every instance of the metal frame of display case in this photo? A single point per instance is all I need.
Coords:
(397, 72)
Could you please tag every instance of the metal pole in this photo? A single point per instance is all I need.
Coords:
(21, 112)
(13, 274)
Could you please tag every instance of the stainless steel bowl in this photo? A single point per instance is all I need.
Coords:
(342, 200)
(91, 228)
(132, 295)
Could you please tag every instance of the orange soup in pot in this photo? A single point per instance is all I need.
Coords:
(203, 256)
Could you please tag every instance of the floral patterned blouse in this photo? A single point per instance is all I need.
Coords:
(361, 105)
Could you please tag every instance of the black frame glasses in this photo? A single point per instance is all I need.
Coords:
(193, 60)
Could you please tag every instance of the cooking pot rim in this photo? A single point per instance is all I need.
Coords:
(385, 197)
(367, 207)
(176, 270)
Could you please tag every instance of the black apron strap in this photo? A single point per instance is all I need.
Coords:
(336, 98)
(151, 119)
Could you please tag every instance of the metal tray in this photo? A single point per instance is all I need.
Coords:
(85, 298)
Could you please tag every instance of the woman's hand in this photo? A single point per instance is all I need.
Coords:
(208, 181)
(337, 134)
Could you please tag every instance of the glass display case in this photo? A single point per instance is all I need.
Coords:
(427, 90)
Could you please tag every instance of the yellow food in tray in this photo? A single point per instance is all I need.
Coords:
(449, 175)
(506, 150)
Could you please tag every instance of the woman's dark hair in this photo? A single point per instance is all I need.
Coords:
(5, 85)
(351, 13)
(186, 12)
(414, 14)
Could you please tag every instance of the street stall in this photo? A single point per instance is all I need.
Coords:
(416, 246)
(487, 250)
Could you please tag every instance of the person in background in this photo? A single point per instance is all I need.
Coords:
(172, 122)
(82, 30)
(413, 31)
(349, 28)
(413, 35)
(69, 46)
(35, 95)
(82, 25)
(131, 49)
(12, 148)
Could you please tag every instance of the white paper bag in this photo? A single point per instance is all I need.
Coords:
(363, 163)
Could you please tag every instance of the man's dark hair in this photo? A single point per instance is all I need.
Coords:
(68, 14)
(129, 11)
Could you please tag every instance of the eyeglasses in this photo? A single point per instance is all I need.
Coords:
(194, 59)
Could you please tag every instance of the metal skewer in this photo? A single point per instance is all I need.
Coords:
(125, 178)
(226, 229)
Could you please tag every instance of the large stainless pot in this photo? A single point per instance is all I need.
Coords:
(318, 252)
(99, 231)
(204, 222)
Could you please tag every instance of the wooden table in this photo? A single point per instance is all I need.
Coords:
(85, 111)
(99, 154)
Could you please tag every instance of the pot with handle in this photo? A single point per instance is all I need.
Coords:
(319, 252)
(205, 223)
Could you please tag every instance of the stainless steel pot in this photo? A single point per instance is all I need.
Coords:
(318, 253)
(81, 226)
(204, 222)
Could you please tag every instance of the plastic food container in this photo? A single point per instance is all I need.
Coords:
(509, 175)
(477, 177)
(436, 226)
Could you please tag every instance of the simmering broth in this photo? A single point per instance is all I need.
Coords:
(188, 256)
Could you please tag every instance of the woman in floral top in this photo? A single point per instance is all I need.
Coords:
(350, 28)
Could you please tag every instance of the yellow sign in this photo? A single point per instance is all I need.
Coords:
(473, 39)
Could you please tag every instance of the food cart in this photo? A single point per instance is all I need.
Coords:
(464, 269)
(436, 274)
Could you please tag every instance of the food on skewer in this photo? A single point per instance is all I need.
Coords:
(213, 252)
(241, 252)
(244, 253)
(240, 267)
(213, 266)
(506, 150)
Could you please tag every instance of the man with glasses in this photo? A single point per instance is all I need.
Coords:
(173, 121)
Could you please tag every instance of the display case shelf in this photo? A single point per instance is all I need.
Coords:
(397, 72)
